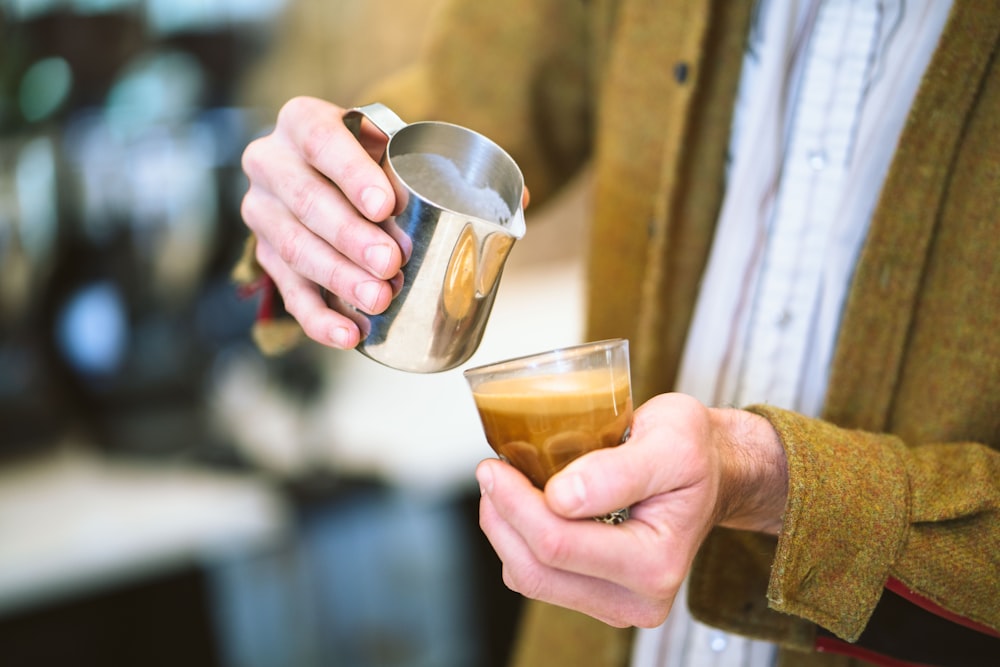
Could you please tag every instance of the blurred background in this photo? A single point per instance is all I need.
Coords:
(167, 494)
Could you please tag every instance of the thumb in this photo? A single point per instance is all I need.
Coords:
(599, 482)
(609, 479)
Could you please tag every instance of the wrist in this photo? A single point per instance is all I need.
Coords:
(753, 485)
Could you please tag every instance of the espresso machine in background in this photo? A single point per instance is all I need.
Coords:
(119, 194)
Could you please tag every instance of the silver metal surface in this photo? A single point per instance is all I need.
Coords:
(451, 278)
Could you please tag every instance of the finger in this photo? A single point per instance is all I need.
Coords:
(283, 240)
(303, 301)
(666, 453)
(635, 555)
(317, 129)
(525, 574)
(319, 205)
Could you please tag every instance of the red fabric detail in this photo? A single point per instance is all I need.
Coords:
(903, 591)
(832, 645)
(265, 286)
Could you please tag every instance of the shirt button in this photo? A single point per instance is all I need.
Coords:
(817, 159)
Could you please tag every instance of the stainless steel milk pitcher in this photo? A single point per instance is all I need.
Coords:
(459, 197)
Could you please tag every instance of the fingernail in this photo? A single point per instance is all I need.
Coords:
(396, 282)
(367, 293)
(372, 199)
(485, 478)
(377, 257)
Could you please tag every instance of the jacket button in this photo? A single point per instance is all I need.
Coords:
(681, 72)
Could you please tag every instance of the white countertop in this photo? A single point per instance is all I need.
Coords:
(72, 522)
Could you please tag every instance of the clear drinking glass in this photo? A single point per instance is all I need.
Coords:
(541, 411)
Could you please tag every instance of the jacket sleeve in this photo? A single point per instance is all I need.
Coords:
(866, 511)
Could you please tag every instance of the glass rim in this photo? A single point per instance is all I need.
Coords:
(535, 358)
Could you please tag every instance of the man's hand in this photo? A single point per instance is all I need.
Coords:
(685, 469)
(315, 193)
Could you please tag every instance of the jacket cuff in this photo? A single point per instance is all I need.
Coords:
(274, 332)
(727, 589)
(844, 525)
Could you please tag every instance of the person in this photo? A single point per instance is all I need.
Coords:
(795, 210)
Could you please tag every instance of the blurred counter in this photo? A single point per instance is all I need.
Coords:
(73, 523)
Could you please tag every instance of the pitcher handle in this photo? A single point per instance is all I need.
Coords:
(381, 116)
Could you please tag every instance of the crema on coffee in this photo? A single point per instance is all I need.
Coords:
(540, 423)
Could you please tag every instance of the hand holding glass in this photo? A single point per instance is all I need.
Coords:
(542, 411)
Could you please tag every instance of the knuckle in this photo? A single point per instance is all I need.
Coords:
(295, 300)
(291, 247)
(249, 208)
(352, 171)
(526, 583)
(552, 549)
(250, 160)
(312, 326)
(509, 580)
(315, 142)
(335, 279)
(292, 109)
(303, 197)
(291, 296)
(659, 585)
(346, 234)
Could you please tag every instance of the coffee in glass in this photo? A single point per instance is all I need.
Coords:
(542, 411)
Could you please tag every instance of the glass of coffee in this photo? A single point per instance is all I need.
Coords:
(541, 411)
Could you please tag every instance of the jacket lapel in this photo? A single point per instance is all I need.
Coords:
(882, 301)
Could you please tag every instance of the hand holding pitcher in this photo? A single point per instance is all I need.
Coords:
(446, 204)
(314, 195)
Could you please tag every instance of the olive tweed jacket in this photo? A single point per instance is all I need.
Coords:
(899, 483)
